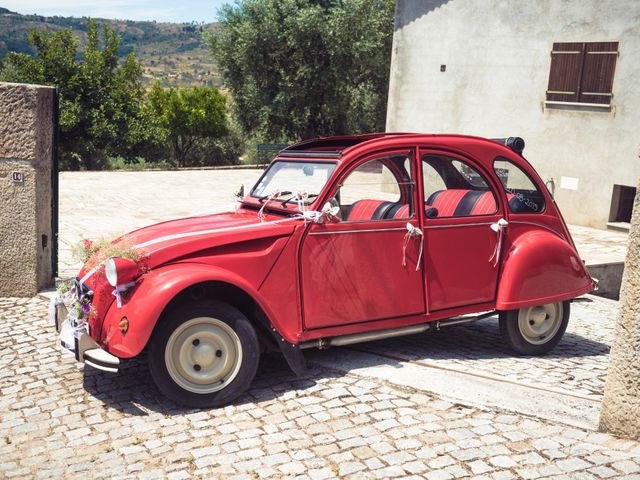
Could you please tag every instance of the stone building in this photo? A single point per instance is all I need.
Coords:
(563, 75)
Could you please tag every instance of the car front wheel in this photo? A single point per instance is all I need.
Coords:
(534, 330)
(204, 354)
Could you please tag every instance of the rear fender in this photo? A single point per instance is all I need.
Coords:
(144, 303)
(539, 268)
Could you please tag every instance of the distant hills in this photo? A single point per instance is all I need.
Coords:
(172, 53)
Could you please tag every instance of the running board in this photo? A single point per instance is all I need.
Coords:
(343, 340)
(463, 319)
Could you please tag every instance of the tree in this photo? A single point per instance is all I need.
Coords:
(188, 114)
(101, 98)
(302, 68)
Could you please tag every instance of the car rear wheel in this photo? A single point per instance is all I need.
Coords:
(204, 354)
(534, 330)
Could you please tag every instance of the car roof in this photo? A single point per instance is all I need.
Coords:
(337, 147)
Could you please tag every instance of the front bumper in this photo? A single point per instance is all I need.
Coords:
(79, 342)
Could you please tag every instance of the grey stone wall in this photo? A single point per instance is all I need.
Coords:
(26, 145)
(621, 403)
(496, 60)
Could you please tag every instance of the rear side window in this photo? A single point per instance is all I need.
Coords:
(522, 193)
(453, 188)
(380, 189)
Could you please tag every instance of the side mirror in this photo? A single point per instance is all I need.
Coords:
(240, 193)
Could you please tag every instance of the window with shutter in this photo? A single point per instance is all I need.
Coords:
(582, 72)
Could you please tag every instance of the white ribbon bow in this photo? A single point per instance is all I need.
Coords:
(270, 197)
(119, 290)
(328, 211)
(499, 227)
(412, 232)
(301, 198)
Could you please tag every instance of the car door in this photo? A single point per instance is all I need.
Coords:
(359, 269)
(461, 206)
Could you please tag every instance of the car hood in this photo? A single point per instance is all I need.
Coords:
(176, 239)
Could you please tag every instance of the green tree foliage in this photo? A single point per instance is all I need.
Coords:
(188, 115)
(101, 98)
(302, 68)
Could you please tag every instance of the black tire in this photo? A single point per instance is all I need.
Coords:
(206, 319)
(523, 344)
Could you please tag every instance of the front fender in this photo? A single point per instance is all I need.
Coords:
(540, 268)
(144, 303)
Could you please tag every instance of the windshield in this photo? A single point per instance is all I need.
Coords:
(291, 178)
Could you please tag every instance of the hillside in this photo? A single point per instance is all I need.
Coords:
(170, 52)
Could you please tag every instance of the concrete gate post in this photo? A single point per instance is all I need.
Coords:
(621, 404)
(26, 163)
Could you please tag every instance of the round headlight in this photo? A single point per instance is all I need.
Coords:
(111, 271)
(120, 271)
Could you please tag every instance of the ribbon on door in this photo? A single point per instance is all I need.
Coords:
(412, 232)
(499, 227)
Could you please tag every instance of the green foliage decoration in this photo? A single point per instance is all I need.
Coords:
(94, 254)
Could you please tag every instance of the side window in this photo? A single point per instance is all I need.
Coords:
(454, 188)
(522, 193)
(380, 189)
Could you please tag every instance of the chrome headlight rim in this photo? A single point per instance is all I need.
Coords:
(111, 271)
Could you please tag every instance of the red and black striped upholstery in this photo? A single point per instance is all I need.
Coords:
(462, 203)
(402, 212)
(368, 210)
(448, 203)
(485, 205)
(377, 210)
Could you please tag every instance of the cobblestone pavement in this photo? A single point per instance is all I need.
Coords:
(60, 421)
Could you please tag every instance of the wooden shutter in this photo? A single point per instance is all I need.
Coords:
(597, 72)
(582, 72)
(564, 75)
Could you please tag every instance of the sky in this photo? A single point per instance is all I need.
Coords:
(160, 10)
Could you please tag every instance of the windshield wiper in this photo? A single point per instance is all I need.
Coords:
(311, 195)
(264, 197)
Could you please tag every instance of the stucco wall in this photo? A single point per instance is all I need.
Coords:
(497, 57)
(26, 141)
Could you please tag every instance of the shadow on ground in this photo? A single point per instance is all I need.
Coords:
(477, 341)
(132, 390)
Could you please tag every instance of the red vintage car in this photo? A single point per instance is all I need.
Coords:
(342, 240)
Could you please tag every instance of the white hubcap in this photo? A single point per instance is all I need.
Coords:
(538, 325)
(203, 355)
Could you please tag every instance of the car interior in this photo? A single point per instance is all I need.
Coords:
(452, 188)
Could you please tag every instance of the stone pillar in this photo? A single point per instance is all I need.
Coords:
(26, 162)
(621, 404)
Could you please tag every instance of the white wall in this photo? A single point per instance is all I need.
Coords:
(497, 57)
